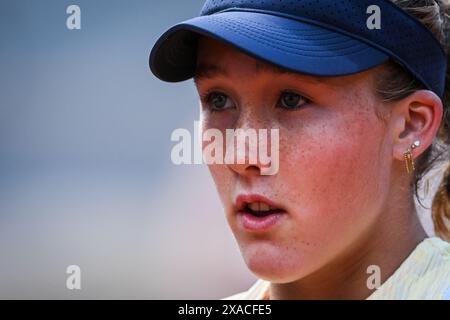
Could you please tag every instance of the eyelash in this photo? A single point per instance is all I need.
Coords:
(205, 98)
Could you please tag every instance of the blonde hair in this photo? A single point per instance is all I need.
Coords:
(395, 83)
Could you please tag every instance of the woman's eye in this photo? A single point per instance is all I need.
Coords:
(218, 101)
(290, 100)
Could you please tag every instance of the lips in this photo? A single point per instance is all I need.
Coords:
(258, 213)
(256, 203)
(261, 209)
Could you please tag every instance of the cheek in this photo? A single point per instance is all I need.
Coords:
(221, 175)
(337, 172)
(223, 181)
(332, 188)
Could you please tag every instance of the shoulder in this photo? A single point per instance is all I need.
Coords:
(436, 277)
(424, 275)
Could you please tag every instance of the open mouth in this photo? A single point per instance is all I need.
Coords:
(261, 209)
(257, 213)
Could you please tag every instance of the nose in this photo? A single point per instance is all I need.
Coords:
(243, 145)
(245, 169)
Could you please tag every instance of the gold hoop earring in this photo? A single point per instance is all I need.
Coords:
(409, 161)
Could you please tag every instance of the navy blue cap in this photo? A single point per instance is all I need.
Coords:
(314, 37)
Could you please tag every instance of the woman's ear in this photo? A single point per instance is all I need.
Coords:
(416, 117)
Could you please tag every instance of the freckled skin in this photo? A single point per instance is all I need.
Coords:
(335, 170)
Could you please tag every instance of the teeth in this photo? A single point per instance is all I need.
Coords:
(260, 206)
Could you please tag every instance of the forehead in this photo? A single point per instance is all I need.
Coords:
(218, 59)
(215, 58)
(205, 69)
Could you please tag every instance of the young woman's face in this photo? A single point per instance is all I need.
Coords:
(334, 160)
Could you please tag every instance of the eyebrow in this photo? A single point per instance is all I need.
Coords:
(208, 71)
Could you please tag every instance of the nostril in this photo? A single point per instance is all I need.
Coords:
(253, 168)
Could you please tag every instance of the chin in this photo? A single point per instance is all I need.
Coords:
(270, 263)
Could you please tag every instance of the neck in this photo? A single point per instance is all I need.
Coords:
(396, 234)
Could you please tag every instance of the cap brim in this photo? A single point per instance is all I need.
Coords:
(290, 44)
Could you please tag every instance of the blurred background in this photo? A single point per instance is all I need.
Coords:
(85, 170)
